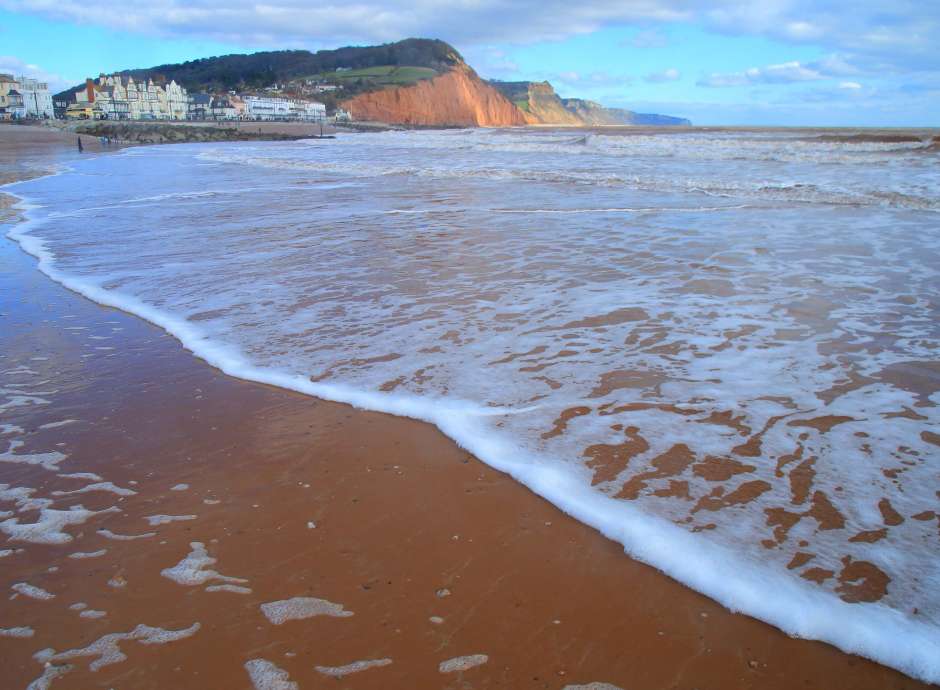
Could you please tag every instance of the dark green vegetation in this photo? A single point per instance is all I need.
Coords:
(259, 70)
(385, 75)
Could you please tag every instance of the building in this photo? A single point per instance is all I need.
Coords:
(177, 101)
(223, 109)
(308, 111)
(37, 100)
(270, 108)
(200, 106)
(84, 111)
(121, 97)
(12, 106)
(266, 108)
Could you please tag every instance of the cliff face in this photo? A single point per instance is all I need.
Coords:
(456, 98)
(592, 113)
(542, 106)
(539, 102)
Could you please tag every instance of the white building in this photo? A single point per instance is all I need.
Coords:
(37, 100)
(268, 108)
(308, 111)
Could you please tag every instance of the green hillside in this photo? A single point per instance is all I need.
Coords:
(402, 62)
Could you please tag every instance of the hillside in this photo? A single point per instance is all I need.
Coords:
(595, 114)
(417, 81)
(538, 100)
(543, 106)
(259, 70)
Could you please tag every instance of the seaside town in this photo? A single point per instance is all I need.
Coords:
(121, 97)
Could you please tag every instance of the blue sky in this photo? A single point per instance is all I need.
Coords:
(790, 62)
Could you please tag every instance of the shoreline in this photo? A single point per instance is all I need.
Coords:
(722, 635)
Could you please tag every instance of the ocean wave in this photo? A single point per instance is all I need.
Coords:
(668, 383)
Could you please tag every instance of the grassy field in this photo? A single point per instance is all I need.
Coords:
(380, 76)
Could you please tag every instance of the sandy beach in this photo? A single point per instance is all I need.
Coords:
(426, 554)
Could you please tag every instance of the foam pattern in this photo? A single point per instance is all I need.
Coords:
(718, 349)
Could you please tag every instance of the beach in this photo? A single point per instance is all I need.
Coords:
(422, 553)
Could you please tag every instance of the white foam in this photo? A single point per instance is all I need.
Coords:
(154, 520)
(49, 674)
(354, 667)
(194, 569)
(235, 589)
(28, 590)
(107, 649)
(21, 370)
(266, 676)
(21, 631)
(108, 534)
(91, 476)
(476, 413)
(99, 486)
(92, 613)
(22, 497)
(88, 554)
(22, 401)
(179, 487)
(11, 429)
(49, 527)
(48, 461)
(56, 425)
(593, 686)
(298, 608)
(463, 663)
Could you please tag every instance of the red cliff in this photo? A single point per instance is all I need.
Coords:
(456, 98)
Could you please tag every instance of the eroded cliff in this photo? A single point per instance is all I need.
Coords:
(457, 98)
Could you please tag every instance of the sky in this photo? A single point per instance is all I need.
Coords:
(733, 62)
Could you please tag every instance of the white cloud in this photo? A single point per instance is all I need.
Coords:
(852, 85)
(784, 73)
(10, 64)
(898, 33)
(671, 74)
(492, 62)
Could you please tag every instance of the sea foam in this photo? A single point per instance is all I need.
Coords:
(688, 367)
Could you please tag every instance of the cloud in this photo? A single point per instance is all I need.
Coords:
(784, 73)
(853, 85)
(899, 34)
(671, 74)
(492, 62)
(10, 64)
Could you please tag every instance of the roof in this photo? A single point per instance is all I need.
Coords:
(201, 98)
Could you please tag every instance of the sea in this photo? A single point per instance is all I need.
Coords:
(718, 347)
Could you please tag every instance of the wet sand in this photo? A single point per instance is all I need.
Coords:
(382, 515)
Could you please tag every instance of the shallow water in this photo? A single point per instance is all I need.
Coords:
(718, 348)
